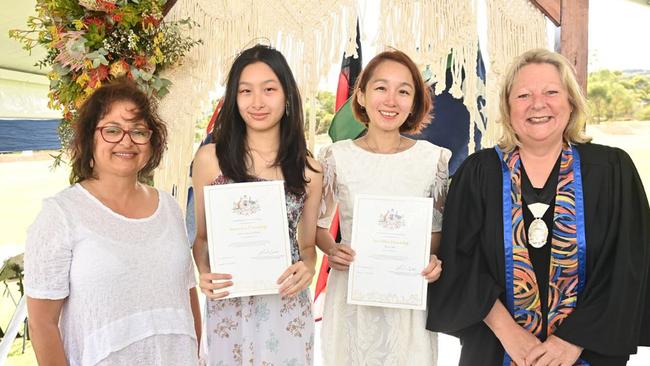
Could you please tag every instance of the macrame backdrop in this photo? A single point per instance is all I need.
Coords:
(311, 34)
(428, 31)
(314, 34)
(514, 26)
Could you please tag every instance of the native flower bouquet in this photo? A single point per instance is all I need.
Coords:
(90, 42)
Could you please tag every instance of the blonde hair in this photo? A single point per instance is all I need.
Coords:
(574, 131)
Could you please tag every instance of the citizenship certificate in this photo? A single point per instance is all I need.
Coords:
(248, 235)
(392, 240)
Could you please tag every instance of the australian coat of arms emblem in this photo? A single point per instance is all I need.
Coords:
(391, 219)
(245, 206)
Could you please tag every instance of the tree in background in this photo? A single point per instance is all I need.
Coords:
(617, 95)
(324, 111)
(599, 99)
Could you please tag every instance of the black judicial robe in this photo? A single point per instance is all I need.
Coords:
(612, 315)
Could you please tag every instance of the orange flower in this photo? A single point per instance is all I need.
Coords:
(119, 68)
(150, 20)
(140, 61)
(97, 75)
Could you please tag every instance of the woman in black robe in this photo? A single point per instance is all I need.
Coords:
(565, 280)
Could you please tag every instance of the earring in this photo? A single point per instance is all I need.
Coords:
(286, 109)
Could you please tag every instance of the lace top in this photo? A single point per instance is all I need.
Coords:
(370, 335)
(421, 170)
(126, 281)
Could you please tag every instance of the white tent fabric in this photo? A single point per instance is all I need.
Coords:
(24, 95)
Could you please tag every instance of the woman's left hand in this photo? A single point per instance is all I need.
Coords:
(433, 270)
(554, 351)
(295, 279)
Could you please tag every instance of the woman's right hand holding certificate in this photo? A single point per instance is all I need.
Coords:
(211, 283)
(340, 257)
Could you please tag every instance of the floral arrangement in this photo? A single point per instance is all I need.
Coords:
(90, 42)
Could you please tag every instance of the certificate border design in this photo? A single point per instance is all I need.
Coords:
(417, 302)
(239, 189)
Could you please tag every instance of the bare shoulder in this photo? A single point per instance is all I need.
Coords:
(205, 162)
(317, 168)
(206, 152)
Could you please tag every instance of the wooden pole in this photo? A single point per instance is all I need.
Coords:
(572, 16)
(574, 37)
(550, 8)
(168, 6)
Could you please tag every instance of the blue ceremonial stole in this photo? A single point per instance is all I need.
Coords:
(569, 211)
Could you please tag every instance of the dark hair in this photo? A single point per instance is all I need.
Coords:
(93, 109)
(230, 129)
(422, 105)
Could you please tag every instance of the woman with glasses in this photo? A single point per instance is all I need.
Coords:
(108, 271)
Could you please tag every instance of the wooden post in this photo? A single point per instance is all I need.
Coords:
(168, 6)
(573, 18)
(551, 8)
(574, 37)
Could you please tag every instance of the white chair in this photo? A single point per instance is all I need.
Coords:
(17, 320)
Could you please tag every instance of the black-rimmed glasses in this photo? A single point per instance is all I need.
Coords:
(114, 134)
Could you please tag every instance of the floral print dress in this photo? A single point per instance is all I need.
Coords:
(267, 329)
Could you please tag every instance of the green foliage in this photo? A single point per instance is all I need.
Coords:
(644, 114)
(614, 95)
(202, 123)
(91, 42)
(324, 111)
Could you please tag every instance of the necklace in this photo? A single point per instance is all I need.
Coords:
(268, 163)
(365, 140)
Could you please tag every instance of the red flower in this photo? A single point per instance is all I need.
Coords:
(139, 61)
(150, 20)
(98, 74)
(117, 17)
(107, 5)
(94, 21)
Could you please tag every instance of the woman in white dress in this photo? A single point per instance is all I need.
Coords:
(108, 272)
(390, 98)
(259, 136)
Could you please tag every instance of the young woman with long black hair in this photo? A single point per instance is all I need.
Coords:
(259, 136)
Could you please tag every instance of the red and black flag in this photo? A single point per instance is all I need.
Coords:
(343, 127)
(350, 69)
